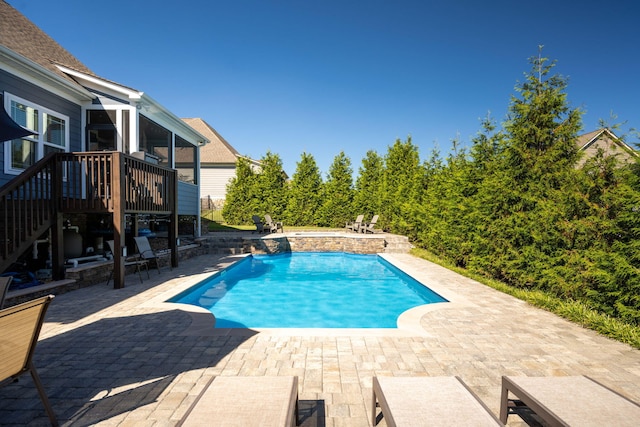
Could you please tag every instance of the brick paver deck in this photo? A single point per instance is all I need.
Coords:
(124, 358)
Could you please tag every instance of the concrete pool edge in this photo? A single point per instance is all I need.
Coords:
(409, 322)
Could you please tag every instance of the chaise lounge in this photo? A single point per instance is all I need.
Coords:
(246, 401)
(19, 330)
(428, 401)
(568, 401)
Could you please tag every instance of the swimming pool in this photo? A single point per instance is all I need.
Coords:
(309, 290)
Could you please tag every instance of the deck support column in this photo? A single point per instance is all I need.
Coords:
(56, 241)
(119, 226)
(173, 219)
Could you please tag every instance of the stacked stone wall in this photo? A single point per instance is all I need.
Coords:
(283, 244)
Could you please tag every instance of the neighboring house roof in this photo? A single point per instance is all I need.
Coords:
(25, 38)
(604, 139)
(218, 150)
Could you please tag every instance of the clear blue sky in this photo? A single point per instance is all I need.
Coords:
(324, 76)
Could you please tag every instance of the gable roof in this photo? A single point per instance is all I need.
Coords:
(218, 150)
(25, 38)
(586, 140)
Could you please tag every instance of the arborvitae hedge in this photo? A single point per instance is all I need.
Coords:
(514, 207)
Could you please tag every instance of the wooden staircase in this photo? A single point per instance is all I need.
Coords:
(27, 210)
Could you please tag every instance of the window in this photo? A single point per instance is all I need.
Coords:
(185, 161)
(102, 134)
(51, 128)
(155, 139)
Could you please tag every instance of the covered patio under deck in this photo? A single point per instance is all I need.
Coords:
(34, 204)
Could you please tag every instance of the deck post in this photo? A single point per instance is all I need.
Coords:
(173, 218)
(119, 226)
(56, 242)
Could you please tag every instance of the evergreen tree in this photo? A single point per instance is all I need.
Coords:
(445, 217)
(368, 188)
(305, 195)
(240, 203)
(271, 187)
(336, 209)
(402, 176)
(523, 196)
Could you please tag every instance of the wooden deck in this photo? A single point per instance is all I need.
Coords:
(33, 204)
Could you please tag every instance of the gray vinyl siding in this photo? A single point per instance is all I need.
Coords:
(214, 181)
(188, 201)
(37, 95)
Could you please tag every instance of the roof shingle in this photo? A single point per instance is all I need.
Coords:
(25, 38)
(218, 150)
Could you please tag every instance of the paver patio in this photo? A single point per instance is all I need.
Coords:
(124, 358)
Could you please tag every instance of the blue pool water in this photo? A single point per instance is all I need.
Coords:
(309, 290)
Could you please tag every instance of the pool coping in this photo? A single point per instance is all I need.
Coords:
(409, 322)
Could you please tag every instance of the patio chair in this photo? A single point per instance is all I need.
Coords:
(355, 225)
(572, 400)
(367, 227)
(272, 225)
(146, 253)
(246, 401)
(5, 282)
(19, 330)
(137, 262)
(428, 401)
(259, 224)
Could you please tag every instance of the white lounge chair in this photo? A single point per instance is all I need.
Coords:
(368, 227)
(569, 401)
(246, 401)
(428, 401)
(355, 225)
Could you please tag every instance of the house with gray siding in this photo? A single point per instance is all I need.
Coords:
(217, 164)
(71, 109)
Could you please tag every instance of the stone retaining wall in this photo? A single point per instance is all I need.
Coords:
(276, 244)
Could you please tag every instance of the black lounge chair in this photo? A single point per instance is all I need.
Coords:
(147, 253)
(260, 228)
(137, 262)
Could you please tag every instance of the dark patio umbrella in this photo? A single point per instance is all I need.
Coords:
(9, 129)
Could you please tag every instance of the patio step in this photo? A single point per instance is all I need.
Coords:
(397, 244)
(228, 245)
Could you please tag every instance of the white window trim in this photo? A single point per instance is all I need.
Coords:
(40, 143)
